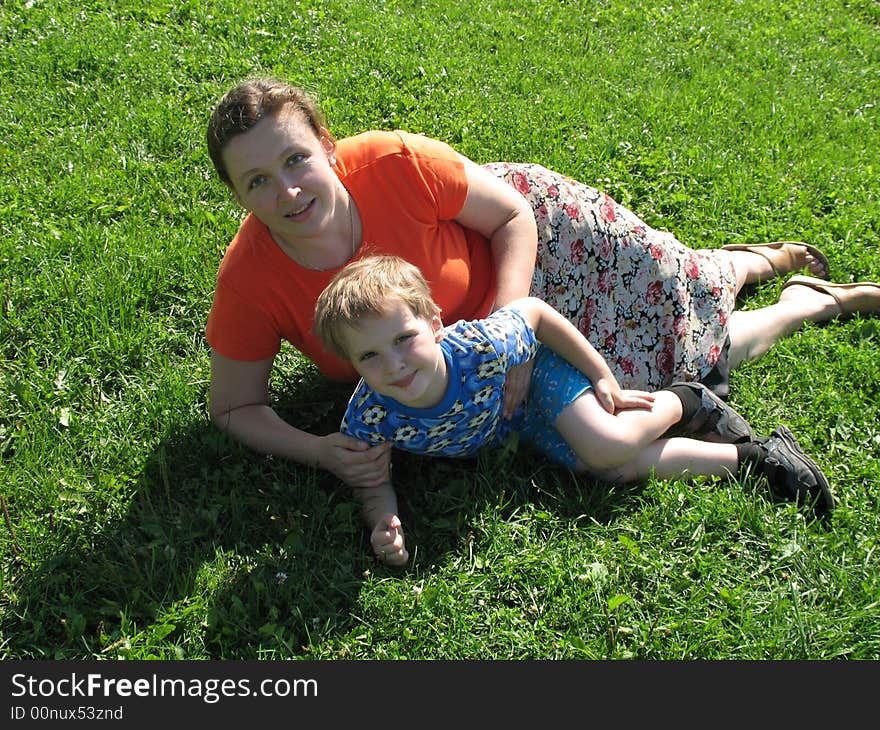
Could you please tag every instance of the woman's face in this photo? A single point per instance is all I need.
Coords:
(282, 172)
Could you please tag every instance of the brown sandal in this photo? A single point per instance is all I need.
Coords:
(849, 301)
(781, 258)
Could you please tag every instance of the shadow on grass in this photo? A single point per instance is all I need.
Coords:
(197, 563)
(224, 553)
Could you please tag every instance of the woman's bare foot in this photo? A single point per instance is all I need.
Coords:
(759, 262)
(830, 299)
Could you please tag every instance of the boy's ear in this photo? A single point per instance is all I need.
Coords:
(437, 326)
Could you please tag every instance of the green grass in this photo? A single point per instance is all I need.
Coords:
(132, 529)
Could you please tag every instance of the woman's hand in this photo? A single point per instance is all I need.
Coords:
(516, 387)
(353, 461)
(387, 541)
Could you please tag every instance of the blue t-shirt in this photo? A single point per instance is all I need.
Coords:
(478, 355)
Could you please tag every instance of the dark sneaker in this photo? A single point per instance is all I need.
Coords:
(714, 420)
(792, 475)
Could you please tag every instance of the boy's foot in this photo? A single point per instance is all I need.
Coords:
(792, 475)
(713, 420)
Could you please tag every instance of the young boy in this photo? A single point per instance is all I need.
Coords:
(438, 390)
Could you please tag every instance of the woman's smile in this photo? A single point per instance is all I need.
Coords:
(297, 214)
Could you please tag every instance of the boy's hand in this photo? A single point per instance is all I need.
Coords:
(631, 399)
(613, 399)
(387, 541)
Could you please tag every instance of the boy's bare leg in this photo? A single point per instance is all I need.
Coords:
(678, 457)
(602, 440)
(627, 446)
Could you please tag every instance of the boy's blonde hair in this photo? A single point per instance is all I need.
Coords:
(363, 288)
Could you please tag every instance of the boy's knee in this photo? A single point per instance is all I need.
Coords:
(609, 456)
(620, 474)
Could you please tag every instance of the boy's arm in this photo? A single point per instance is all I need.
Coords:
(378, 502)
(554, 331)
(379, 510)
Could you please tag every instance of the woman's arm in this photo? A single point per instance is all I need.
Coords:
(505, 217)
(239, 406)
(502, 215)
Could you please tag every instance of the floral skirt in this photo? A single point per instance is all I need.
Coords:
(656, 309)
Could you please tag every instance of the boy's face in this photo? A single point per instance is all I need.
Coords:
(399, 356)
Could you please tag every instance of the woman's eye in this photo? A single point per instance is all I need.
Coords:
(294, 159)
(256, 182)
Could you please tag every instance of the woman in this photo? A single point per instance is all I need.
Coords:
(483, 236)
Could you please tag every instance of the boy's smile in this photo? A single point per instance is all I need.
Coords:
(398, 354)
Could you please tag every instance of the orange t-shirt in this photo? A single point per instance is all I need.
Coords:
(408, 188)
